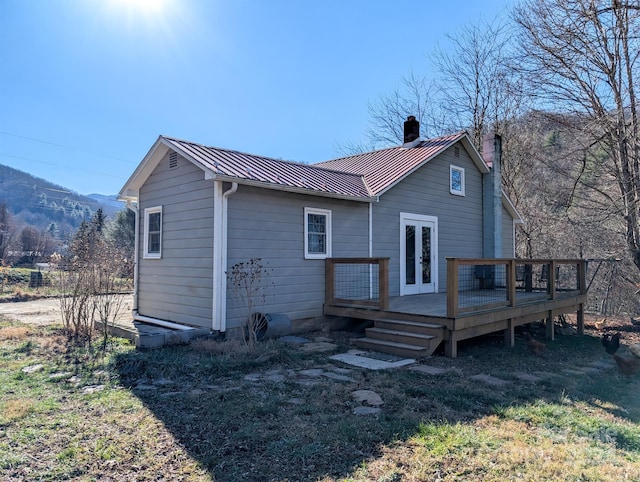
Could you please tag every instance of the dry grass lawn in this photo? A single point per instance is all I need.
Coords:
(217, 411)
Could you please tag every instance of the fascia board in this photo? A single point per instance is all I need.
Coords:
(145, 168)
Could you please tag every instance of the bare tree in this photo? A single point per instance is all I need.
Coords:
(580, 57)
(36, 244)
(7, 231)
(415, 97)
(478, 89)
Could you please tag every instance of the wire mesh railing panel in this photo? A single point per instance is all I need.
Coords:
(532, 281)
(482, 285)
(356, 282)
(567, 278)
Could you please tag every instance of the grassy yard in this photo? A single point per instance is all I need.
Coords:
(213, 411)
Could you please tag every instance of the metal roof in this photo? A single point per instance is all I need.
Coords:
(273, 172)
(361, 176)
(384, 168)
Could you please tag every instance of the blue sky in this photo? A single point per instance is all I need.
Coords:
(86, 86)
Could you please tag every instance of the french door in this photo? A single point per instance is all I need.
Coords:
(418, 254)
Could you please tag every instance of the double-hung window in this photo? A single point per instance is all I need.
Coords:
(317, 233)
(153, 232)
(456, 180)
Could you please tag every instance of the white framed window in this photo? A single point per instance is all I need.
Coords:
(456, 180)
(153, 232)
(317, 233)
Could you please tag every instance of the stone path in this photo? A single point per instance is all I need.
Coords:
(367, 401)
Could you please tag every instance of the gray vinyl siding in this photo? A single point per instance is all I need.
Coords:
(426, 192)
(507, 234)
(178, 286)
(269, 224)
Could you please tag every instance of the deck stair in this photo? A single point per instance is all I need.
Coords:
(403, 338)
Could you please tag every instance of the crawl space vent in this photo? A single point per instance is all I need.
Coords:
(173, 160)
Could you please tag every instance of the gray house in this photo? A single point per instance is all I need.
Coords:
(200, 210)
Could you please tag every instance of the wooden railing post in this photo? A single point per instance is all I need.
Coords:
(329, 279)
(552, 279)
(511, 282)
(582, 285)
(452, 287)
(383, 281)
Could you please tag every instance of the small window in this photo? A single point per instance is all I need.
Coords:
(317, 233)
(456, 180)
(153, 232)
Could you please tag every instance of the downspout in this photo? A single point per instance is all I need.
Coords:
(219, 295)
(371, 230)
(136, 237)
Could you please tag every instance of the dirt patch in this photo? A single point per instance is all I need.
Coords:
(45, 311)
(598, 325)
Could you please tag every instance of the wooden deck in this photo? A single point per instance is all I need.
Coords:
(416, 325)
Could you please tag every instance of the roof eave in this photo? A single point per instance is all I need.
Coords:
(511, 209)
(143, 171)
(294, 189)
(468, 145)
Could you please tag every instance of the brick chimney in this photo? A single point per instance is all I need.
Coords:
(411, 131)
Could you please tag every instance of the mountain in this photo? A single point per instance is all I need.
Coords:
(105, 200)
(39, 203)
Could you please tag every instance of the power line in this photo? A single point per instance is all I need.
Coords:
(66, 147)
(62, 166)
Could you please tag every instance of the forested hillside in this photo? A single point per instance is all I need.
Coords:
(46, 206)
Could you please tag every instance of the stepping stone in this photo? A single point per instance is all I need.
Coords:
(361, 360)
(324, 339)
(312, 372)
(367, 410)
(163, 382)
(603, 365)
(367, 397)
(33, 368)
(275, 377)
(528, 377)
(546, 375)
(92, 389)
(296, 340)
(340, 378)
(429, 370)
(142, 386)
(60, 375)
(489, 380)
(318, 347)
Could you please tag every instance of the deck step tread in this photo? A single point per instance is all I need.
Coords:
(407, 334)
(404, 346)
(419, 324)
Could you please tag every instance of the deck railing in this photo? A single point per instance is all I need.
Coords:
(482, 284)
(473, 284)
(360, 282)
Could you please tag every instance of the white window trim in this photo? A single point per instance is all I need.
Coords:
(453, 168)
(324, 212)
(146, 254)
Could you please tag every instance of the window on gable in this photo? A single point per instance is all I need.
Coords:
(317, 233)
(456, 180)
(153, 232)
